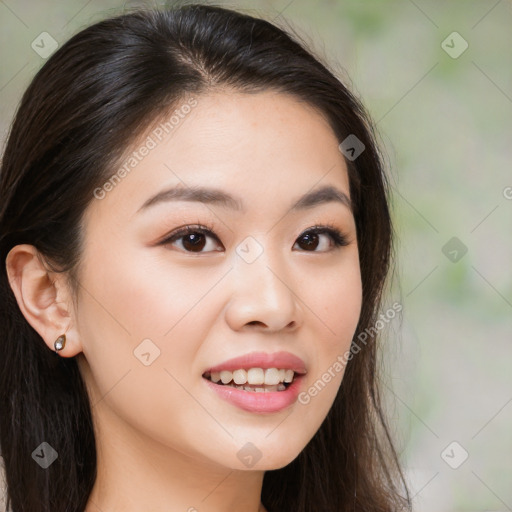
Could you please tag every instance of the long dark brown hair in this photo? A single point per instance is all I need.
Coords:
(75, 120)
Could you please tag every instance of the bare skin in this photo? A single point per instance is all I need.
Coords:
(165, 440)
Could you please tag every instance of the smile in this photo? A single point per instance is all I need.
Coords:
(257, 380)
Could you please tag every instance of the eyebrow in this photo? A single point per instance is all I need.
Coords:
(322, 195)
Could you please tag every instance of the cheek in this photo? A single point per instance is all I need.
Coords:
(148, 294)
(142, 327)
(334, 299)
(342, 305)
(335, 302)
(137, 306)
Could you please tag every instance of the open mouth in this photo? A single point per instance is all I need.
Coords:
(256, 380)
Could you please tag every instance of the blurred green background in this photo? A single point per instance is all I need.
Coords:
(437, 79)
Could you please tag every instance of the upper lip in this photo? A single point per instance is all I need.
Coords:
(285, 360)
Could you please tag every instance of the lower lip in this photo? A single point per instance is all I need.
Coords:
(252, 401)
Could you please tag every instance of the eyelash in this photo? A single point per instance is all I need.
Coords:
(338, 238)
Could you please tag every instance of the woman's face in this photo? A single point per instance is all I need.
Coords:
(157, 311)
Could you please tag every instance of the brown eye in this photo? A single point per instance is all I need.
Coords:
(310, 240)
(194, 242)
(193, 239)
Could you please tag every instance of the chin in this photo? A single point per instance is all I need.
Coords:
(277, 460)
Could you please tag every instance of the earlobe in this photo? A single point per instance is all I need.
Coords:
(43, 298)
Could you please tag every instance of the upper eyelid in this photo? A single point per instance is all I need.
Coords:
(210, 231)
(192, 228)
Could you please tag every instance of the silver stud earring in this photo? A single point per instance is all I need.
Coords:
(60, 342)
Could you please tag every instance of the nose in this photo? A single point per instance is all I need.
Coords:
(262, 297)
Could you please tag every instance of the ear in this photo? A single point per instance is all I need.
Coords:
(43, 297)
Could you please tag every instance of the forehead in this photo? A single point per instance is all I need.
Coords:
(263, 146)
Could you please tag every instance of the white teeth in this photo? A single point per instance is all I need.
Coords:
(254, 377)
(240, 376)
(288, 376)
(272, 376)
(226, 376)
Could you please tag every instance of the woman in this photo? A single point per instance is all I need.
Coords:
(195, 230)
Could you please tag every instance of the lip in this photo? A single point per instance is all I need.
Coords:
(266, 402)
(280, 360)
